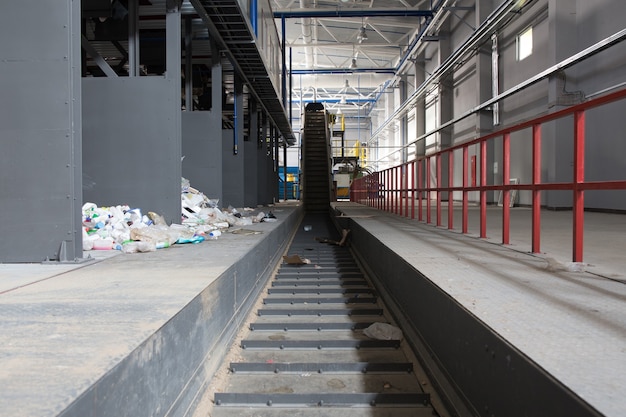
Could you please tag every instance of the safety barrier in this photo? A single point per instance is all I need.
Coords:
(397, 189)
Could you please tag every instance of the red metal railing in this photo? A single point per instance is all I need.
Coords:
(396, 190)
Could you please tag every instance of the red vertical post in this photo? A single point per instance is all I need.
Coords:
(420, 194)
(450, 192)
(390, 192)
(465, 192)
(392, 200)
(377, 191)
(388, 187)
(413, 188)
(399, 190)
(483, 191)
(396, 188)
(438, 162)
(506, 173)
(579, 193)
(383, 191)
(427, 186)
(406, 190)
(536, 200)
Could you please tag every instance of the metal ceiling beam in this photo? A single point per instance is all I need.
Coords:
(344, 71)
(322, 13)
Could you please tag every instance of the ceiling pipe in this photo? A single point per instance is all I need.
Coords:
(344, 71)
(479, 35)
(434, 21)
(307, 35)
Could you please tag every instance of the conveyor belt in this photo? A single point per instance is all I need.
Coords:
(305, 353)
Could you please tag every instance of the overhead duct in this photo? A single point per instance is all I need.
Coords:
(307, 34)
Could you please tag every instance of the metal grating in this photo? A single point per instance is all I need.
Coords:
(323, 367)
(226, 22)
(321, 400)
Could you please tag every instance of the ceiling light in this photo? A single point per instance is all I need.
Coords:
(362, 36)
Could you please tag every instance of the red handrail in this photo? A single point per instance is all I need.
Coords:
(388, 189)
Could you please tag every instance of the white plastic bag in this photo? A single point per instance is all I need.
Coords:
(383, 331)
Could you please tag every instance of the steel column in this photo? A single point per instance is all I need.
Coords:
(413, 188)
(450, 194)
(420, 187)
(465, 183)
(397, 193)
(483, 192)
(406, 190)
(536, 199)
(438, 162)
(579, 193)
(428, 190)
(506, 173)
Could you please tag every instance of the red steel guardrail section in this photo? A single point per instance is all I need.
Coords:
(400, 199)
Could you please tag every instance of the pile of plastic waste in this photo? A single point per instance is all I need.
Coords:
(127, 229)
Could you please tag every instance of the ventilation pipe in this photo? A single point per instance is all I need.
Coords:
(307, 34)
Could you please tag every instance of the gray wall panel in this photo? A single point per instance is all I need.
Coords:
(131, 150)
(233, 173)
(251, 179)
(605, 140)
(40, 131)
(202, 152)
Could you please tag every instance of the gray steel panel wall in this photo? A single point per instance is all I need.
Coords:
(40, 191)
(202, 152)
(252, 156)
(131, 149)
(168, 374)
(606, 144)
(233, 172)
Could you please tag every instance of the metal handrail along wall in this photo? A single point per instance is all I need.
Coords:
(396, 190)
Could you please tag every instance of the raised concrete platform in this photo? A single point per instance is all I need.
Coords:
(517, 333)
(130, 334)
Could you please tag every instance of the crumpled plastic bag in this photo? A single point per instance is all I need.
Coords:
(383, 331)
(139, 246)
(162, 236)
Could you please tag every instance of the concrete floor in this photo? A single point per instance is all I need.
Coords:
(64, 326)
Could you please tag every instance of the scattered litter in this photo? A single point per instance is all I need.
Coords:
(308, 228)
(342, 242)
(214, 234)
(318, 267)
(193, 239)
(383, 331)
(296, 260)
(134, 247)
(127, 229)
(554, 266)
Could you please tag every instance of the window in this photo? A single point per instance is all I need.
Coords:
(525, 44)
